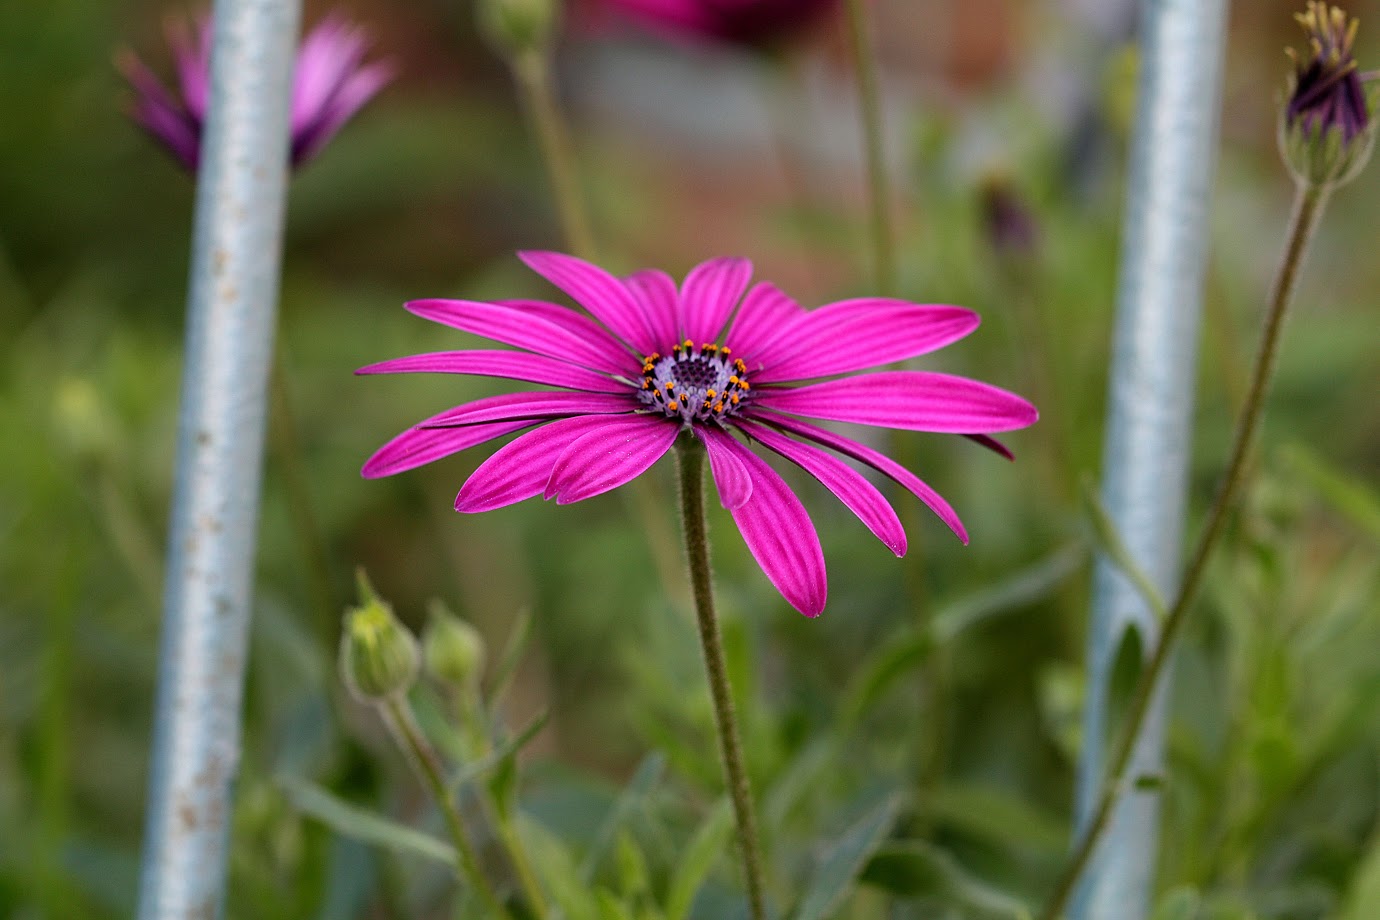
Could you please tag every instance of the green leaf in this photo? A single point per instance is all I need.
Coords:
(998, 817)
(507, 750)
(1352, 497)
(883, 668)
(553, 863)
(916, 869)
(358, 824)
(1110, 542)
(1021, 588)
(1182, 903)
(705, 847)
(1363, 893)
(644, 780)
(511, 657)
(838, 872)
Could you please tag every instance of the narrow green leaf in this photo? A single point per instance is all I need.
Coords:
(644, 780)
(883, 668)
(705, 847)
(839, 870)
(1354, 498)
(1021, 588)
(553, 863)
(1182, 903)
(511, 657)
(1363, 893)
(918, 869)
(1110, 542)
(358, 824)
(507, 750)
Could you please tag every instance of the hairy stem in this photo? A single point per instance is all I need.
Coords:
(533, 72)
(870, 104)
(397, 714)
(691, 457)
(1309, 204)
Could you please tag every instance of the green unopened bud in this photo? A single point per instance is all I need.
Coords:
(517, 27)
(83, 419)
(1327, 121)
(378, 654)
(453, 649)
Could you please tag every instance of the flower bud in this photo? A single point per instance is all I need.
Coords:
(452, 649)
(517, 27)
(1327, 124)
(378, 654)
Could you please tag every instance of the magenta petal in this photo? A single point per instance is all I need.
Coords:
(513, 365)
(419, 446)
(780, 536)
(520, 469)
(762, 324)
(851, 487)
(731, 478)
(991, 444)
(878, 461)
(660, 303)
(539, 405)
(523, 330)
(853, 335)
(574, 322)
(708, 296)
(603, 295)
(617, 451)
(913, 400)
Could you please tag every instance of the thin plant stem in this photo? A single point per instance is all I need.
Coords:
(1309, 204)
(532, 69)
(287, 450)
(397, 714)
(691, 466)
(870, 104)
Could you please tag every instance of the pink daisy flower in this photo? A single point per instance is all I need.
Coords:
(329, 86)
(744, 22)
(712, 360)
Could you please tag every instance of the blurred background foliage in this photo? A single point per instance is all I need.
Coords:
(929, 718)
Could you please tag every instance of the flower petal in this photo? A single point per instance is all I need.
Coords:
(522, 330)
(913, 400)
(419, 446)
(779, 534)
(617, 451)
(850, 486)
(708, 296)
(855, 334)
(575, 322)
(660, 303)
(604, 296)
(731, 478)
(878, 461)
(513, 406)
(521, 468)
(762, 324)
(513, 365)
(991, 444)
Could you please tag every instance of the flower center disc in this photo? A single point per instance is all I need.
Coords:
(694, 384)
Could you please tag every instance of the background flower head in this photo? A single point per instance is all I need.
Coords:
(709, 359)
(743, 22)
(330, 84)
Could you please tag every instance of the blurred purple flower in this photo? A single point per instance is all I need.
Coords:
(329, 85)
(743, 22)
(646, 367)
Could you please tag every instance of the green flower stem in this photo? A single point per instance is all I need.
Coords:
(1309, 204)
(691, 457)
(533, 72)
(869, 98)
(397, 714)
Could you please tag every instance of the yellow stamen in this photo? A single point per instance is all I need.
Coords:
(673, 406)
(709, 394)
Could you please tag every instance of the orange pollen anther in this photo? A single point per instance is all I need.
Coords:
(673, 406)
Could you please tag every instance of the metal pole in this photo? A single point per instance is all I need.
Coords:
(236, 252)
(1146, 454)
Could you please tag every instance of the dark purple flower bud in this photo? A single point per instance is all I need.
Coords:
(1007, 220)
(1327, 127)
(330, 84)
(752, 23)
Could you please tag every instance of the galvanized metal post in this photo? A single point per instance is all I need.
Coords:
(1146, 454)
(231, 307)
